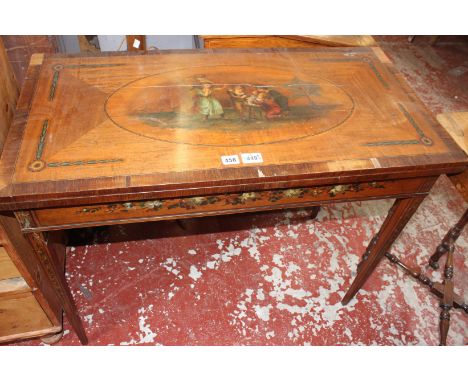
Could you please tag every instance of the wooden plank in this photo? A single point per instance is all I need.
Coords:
(8, 94)
(456, 125)
(261, 41)
(21, 314)
(7, 267)
(336, 40)
(284, 41)
(48, 331)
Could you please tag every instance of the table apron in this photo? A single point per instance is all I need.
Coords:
(50, 219)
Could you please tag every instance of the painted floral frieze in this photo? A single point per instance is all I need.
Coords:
(239, 199)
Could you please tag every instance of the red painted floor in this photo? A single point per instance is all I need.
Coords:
(277, 278)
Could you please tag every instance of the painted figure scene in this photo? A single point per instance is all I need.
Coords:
(232, 106)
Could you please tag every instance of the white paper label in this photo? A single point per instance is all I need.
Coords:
(252, 158)
(230, 159)
(136, 43)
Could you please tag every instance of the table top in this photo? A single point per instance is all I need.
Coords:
(130, 123)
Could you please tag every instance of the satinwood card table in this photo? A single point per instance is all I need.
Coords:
(123, 138)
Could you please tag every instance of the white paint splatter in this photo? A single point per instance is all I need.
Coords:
(195, 274)
(263, 312)
(89, 319)
(260, 294)
(292, 234)
(292, 268)
(277, 259)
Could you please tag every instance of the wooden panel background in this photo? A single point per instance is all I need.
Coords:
(7, 268)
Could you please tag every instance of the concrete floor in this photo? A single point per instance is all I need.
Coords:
(277, 278)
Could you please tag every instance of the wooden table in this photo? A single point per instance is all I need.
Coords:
(123, 138)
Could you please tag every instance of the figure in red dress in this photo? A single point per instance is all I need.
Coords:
(268, 105)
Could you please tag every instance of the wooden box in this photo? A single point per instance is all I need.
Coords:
(27, 306)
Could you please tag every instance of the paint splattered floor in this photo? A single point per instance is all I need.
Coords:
(277, 278)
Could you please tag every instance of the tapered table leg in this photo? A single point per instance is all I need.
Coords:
(44, 249)
(398, 215)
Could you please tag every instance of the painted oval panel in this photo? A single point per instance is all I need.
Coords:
(229, 106)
